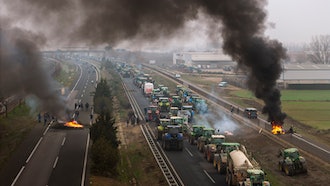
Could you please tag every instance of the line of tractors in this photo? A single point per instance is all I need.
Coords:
(174, 116)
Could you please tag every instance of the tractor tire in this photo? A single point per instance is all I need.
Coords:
(215, 164)
(208, 157)
(228, 179)
(304, 168)
(280, 168)
(288, 170)
(222, 169)
(163, 145)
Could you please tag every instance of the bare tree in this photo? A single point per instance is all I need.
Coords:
(319, 49)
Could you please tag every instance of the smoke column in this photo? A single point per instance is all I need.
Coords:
(244, 40)
(240, 22)
(21, 72)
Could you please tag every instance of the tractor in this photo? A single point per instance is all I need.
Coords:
(173, 138)
(220, 156)
(196, 131)
(211, 147)
(176, 101)
(292, 163)
(151, 113)
(204, 138)
(164, 107)
(161, 128)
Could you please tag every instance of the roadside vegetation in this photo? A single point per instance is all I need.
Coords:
(104, 152)
(13, 129)
(135, 163)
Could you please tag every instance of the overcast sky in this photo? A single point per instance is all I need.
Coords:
(293, 22)
(296, 21)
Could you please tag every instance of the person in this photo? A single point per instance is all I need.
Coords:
(133, 120)
(75, 106)
(127, 122)
(137, 120)
(291, 130)
(39, 117)
(231, 109)
(86, 105)
(45, 118)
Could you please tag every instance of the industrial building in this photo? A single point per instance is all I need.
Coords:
(202, 60)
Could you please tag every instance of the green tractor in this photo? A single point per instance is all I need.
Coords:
(176, 101)
(204, 138)
(292, 163)
(220, 156)
(256, 177)
(196, 131)
(161, 128)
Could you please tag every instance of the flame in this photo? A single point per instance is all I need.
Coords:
(277, 129)
(73, 124)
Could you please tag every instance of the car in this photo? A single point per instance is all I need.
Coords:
(177, 76)
(251, 113)
(222, 84)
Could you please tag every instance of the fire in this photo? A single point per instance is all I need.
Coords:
(73, 124)
(277, 128)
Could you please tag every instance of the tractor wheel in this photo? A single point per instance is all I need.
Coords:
(288, 170)
(163, 145)
(280, 168)
(190, 141)
(304, 168)
(228, 179)
(222, 168)
(208, 157)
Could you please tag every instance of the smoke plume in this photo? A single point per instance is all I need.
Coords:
(21, 72)
(240, 22)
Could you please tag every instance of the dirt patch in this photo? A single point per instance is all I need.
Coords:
(265, 151)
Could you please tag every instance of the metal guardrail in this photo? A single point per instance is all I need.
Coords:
(259, 125)
(164, 164)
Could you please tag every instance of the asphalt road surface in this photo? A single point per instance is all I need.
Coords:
(190, 164)
(56, 155)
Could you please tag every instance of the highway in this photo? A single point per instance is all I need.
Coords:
(195, 170)
(59, 156)
(317, 151)
(190, 164)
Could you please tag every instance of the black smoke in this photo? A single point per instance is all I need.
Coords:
(240, 22)
(21, 72)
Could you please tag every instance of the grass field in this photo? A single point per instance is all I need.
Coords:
(13, 129)
(311, 107)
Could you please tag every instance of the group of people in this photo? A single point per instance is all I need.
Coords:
(46, 117)
(132, 118)
(80, 105)
(232, 109)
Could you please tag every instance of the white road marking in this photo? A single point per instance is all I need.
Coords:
(85, 162)
(55, 163)
(207, 174)
(302, 139)
(34, 149)
(63, 141)
(16, 178)
(189, 152)
(46, 130)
